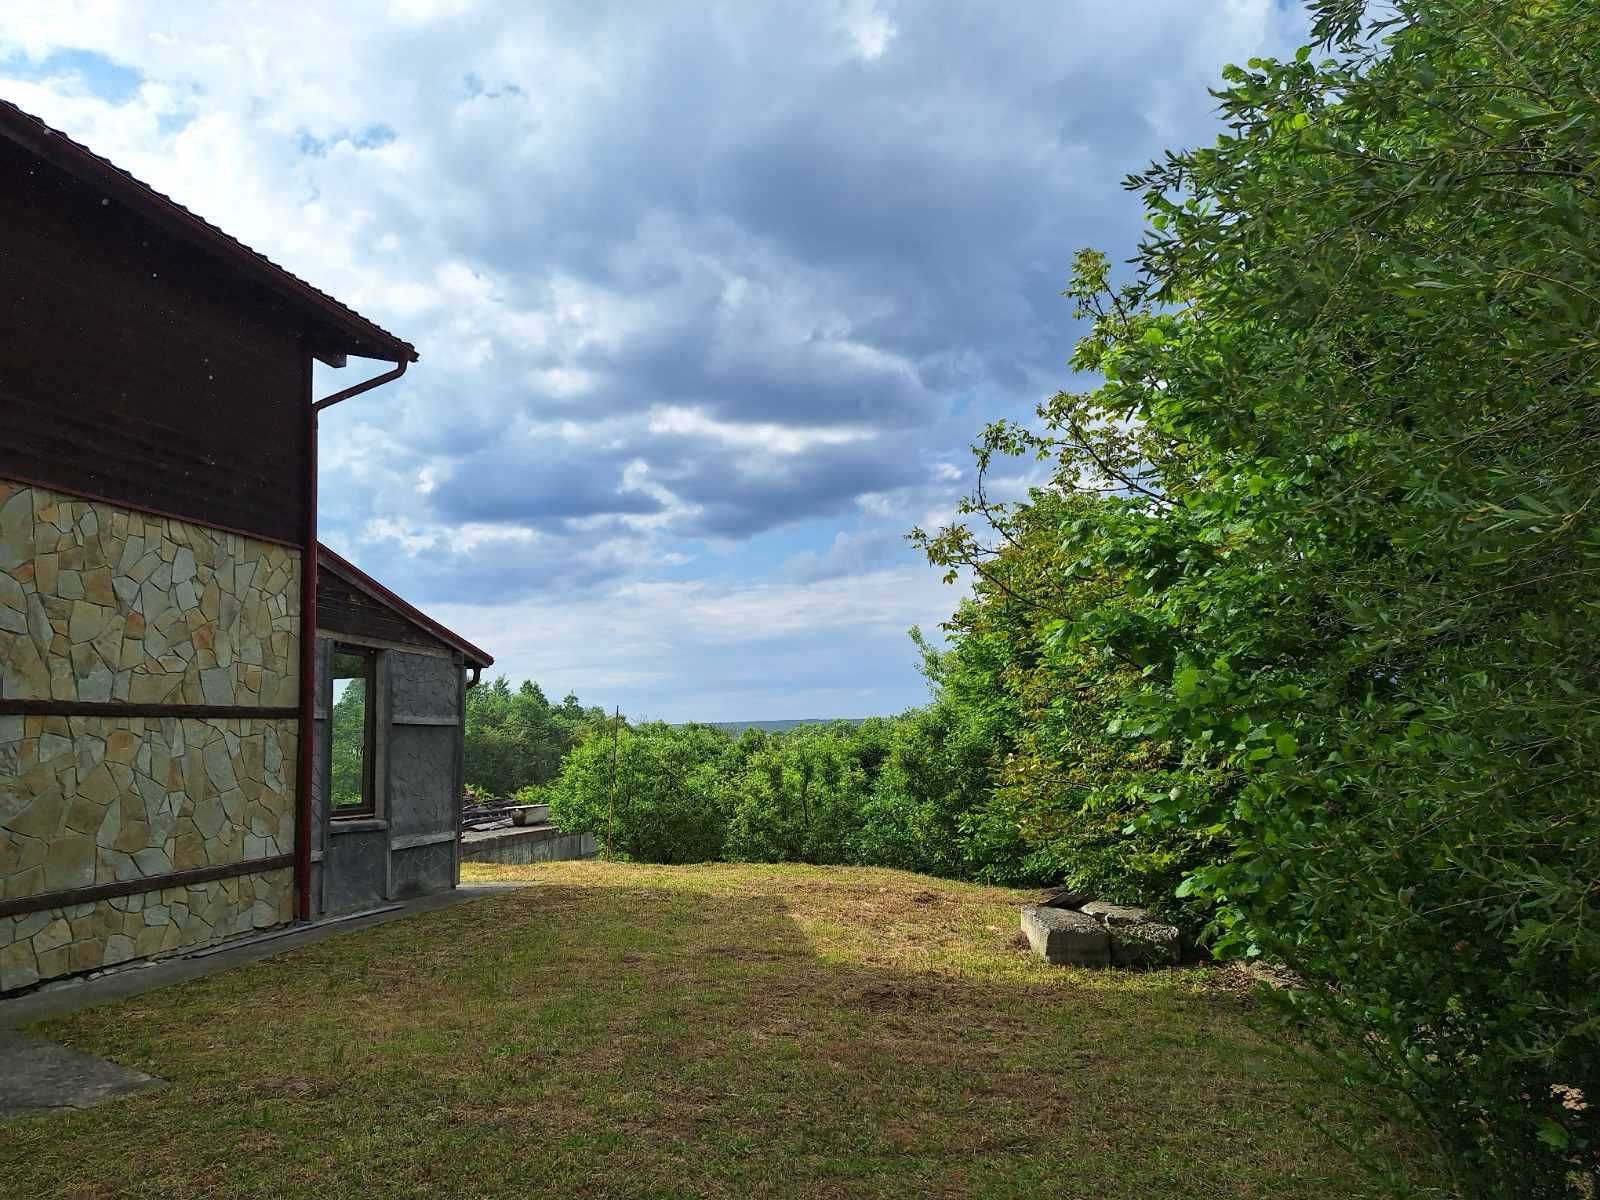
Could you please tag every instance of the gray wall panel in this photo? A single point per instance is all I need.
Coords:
(422, 870)
(356, 870)
(422, 779)
(425, 686)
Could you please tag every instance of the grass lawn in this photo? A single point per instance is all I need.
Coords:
(719, 1031)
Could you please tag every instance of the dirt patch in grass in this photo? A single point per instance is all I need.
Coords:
(714, 1031)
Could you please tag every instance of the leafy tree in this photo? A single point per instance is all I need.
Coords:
(1334, 521)
(928, 799)
(345, 745)
(798, 799)
(516, 739)
(1059, 797)
(655, 794)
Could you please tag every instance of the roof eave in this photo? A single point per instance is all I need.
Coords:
(341, 330)
(349, 571)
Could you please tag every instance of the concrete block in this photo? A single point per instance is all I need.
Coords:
(1146, 944)
(1061, 936)
(1115, 914)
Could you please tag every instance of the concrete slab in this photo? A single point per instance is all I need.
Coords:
(40, 1076)
(528, 844)
(1062, 936)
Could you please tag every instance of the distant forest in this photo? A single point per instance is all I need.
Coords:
(516, 739)
(735, 728)
(915, 791)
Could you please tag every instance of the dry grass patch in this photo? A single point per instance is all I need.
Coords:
(716, 1031)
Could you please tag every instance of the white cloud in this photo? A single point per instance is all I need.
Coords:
(867, 27)
(744, 267)
(718, 651)
(767, 436)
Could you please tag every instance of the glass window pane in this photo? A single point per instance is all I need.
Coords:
(351, 742)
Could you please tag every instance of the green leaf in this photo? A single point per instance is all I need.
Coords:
(1554, 1134)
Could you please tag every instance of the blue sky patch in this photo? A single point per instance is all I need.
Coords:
(108, 80)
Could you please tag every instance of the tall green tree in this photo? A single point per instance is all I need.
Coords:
(1053, 790)
(515, 738)
(1337, 531)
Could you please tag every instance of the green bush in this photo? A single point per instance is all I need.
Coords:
(798, 799)
(1333, 548)
(886, 792)
(1051, 788)
(653, 795)
(937, 769)
(534, 793)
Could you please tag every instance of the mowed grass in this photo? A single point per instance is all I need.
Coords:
(716, 1031)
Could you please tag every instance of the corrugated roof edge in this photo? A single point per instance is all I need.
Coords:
(366, 339)
(343, 566)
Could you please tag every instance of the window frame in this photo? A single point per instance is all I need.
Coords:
(368, 809)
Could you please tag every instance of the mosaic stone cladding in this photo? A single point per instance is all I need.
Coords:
(87, 800)
(102, 604)
(98, 603)
(61, 941)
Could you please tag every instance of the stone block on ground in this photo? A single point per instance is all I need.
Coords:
(1116, 914)
(1147, 943)
(1065, 937)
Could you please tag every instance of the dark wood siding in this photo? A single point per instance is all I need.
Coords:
(134, 369)
(344, 608)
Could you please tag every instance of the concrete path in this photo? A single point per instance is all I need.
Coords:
(36, 1075)
(39, 1075)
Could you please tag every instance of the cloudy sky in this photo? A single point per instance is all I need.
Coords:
(711, 298)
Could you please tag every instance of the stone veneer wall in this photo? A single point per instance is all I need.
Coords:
(99, 603)
(61, 941)
(108, 799)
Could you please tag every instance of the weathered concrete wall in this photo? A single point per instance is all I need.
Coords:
(355, 868)
(422, 870)
(424, 691)
(107, 605)
(425, 686)
(422, 779)
(517, 846)
(100, 603)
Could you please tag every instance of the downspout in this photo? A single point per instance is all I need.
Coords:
(375, 381)
(308, 633)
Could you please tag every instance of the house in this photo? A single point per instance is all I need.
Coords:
(386, 825)
(167, 635)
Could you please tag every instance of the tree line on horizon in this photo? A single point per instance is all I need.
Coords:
(516, 738)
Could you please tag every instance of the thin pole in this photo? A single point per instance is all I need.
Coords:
(308, 667)
(611, 820)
